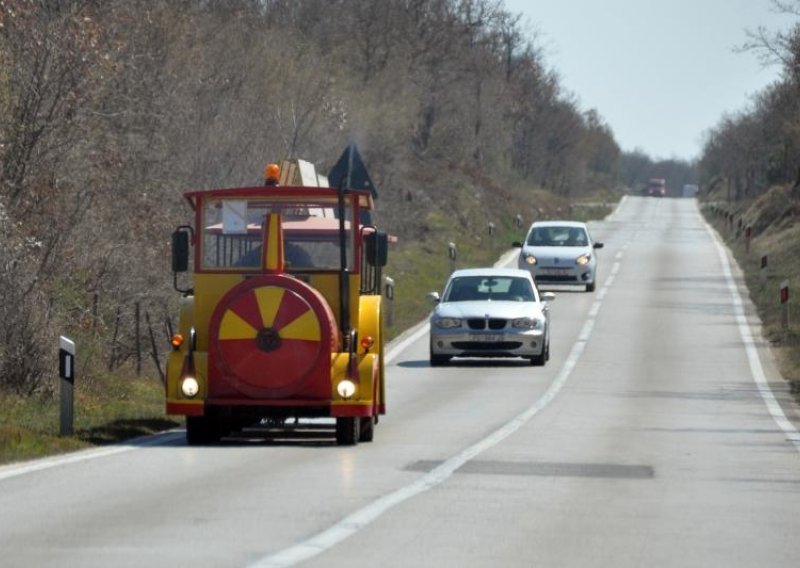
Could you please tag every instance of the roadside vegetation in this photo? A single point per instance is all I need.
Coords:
(110, 109)
(774, 239)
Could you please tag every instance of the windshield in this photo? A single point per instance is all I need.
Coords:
(558, 236)
(233, 234)
(497, 288)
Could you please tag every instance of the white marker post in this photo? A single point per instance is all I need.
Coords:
(66, 369)
(451, 253)
(785, 304)
(389, 290)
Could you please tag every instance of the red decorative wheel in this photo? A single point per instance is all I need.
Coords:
(270, 333)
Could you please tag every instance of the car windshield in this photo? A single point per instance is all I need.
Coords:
(558, 236)
(496, 288)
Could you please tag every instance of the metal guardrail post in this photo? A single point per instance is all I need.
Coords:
(388, 288)
(66, 370)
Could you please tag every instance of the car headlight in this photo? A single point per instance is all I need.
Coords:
(529, 259)
(447, 323)
(526, 323)
(583, 259)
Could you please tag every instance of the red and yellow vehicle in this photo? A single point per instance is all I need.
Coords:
(284, 317)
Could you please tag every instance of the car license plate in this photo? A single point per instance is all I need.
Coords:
(486, 337)
(556, 271)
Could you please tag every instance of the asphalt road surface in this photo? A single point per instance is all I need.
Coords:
(659, 434)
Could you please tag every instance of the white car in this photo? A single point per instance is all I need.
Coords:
(560, 252)
(490, 312)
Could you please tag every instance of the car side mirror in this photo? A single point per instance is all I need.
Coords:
(516, 244)
(434, 297)
(598, 245)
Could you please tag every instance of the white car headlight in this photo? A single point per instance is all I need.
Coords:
(526, 323)
(529, 259)
(583, 259)
(447, 323)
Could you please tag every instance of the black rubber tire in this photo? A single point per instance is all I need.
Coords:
(348, 430)
(367, 429)
(201, 430)
(439, 360)
(590, 287)
(539, 360)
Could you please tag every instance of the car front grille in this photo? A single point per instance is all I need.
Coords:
(481, 346)
(480, 323)
(554, 278)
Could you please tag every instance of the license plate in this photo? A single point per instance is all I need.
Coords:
(487, 337)
(556, 271)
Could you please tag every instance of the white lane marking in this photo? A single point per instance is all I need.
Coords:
(756, 370)
(403, 343)
(14, 470)
(615, 268)
(619, 255)
(358, 520)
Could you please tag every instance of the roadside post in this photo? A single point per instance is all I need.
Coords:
(66, 370)
(748, 234)
(451, 253)
(785, 304)
(388, 288)
(491, 235)
(518, 221)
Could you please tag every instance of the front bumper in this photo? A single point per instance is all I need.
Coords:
(469, 343)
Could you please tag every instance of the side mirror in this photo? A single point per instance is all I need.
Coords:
(548, 296)
(180, 250)
(377, 244)
(598, 245)
(434, 297)
(516, 244)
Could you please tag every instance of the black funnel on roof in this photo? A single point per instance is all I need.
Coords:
(351, 169)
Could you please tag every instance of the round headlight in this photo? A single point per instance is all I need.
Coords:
(530, 259)
(448, 323)
(190, 387)
(583, 260)
(526, 323)
(346, 388)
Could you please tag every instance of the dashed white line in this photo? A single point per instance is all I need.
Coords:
(358, 520)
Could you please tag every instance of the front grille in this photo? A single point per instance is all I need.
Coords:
(494, 323)
(481, 346)
(553, 278)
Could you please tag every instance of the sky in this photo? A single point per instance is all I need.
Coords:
(661, 73)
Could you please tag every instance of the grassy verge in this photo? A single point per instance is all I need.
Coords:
(124, 408)
(778, 241)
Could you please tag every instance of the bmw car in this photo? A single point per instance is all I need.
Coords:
(490, 312)
(560, 252)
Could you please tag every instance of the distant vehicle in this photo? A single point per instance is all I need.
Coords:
(490, 312)
(657, 187)
(559, 252)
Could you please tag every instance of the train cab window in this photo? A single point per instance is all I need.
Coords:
(233, 233)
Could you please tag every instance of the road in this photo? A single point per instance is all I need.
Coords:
(659, 434)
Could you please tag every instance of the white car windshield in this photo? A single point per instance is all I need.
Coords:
(490, 288)
(558, 236)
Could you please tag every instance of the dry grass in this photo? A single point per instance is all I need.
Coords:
(775, 225)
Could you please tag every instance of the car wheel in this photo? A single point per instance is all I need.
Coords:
(590, 287)
(202, 430)
(439, 360)
(539, 360)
